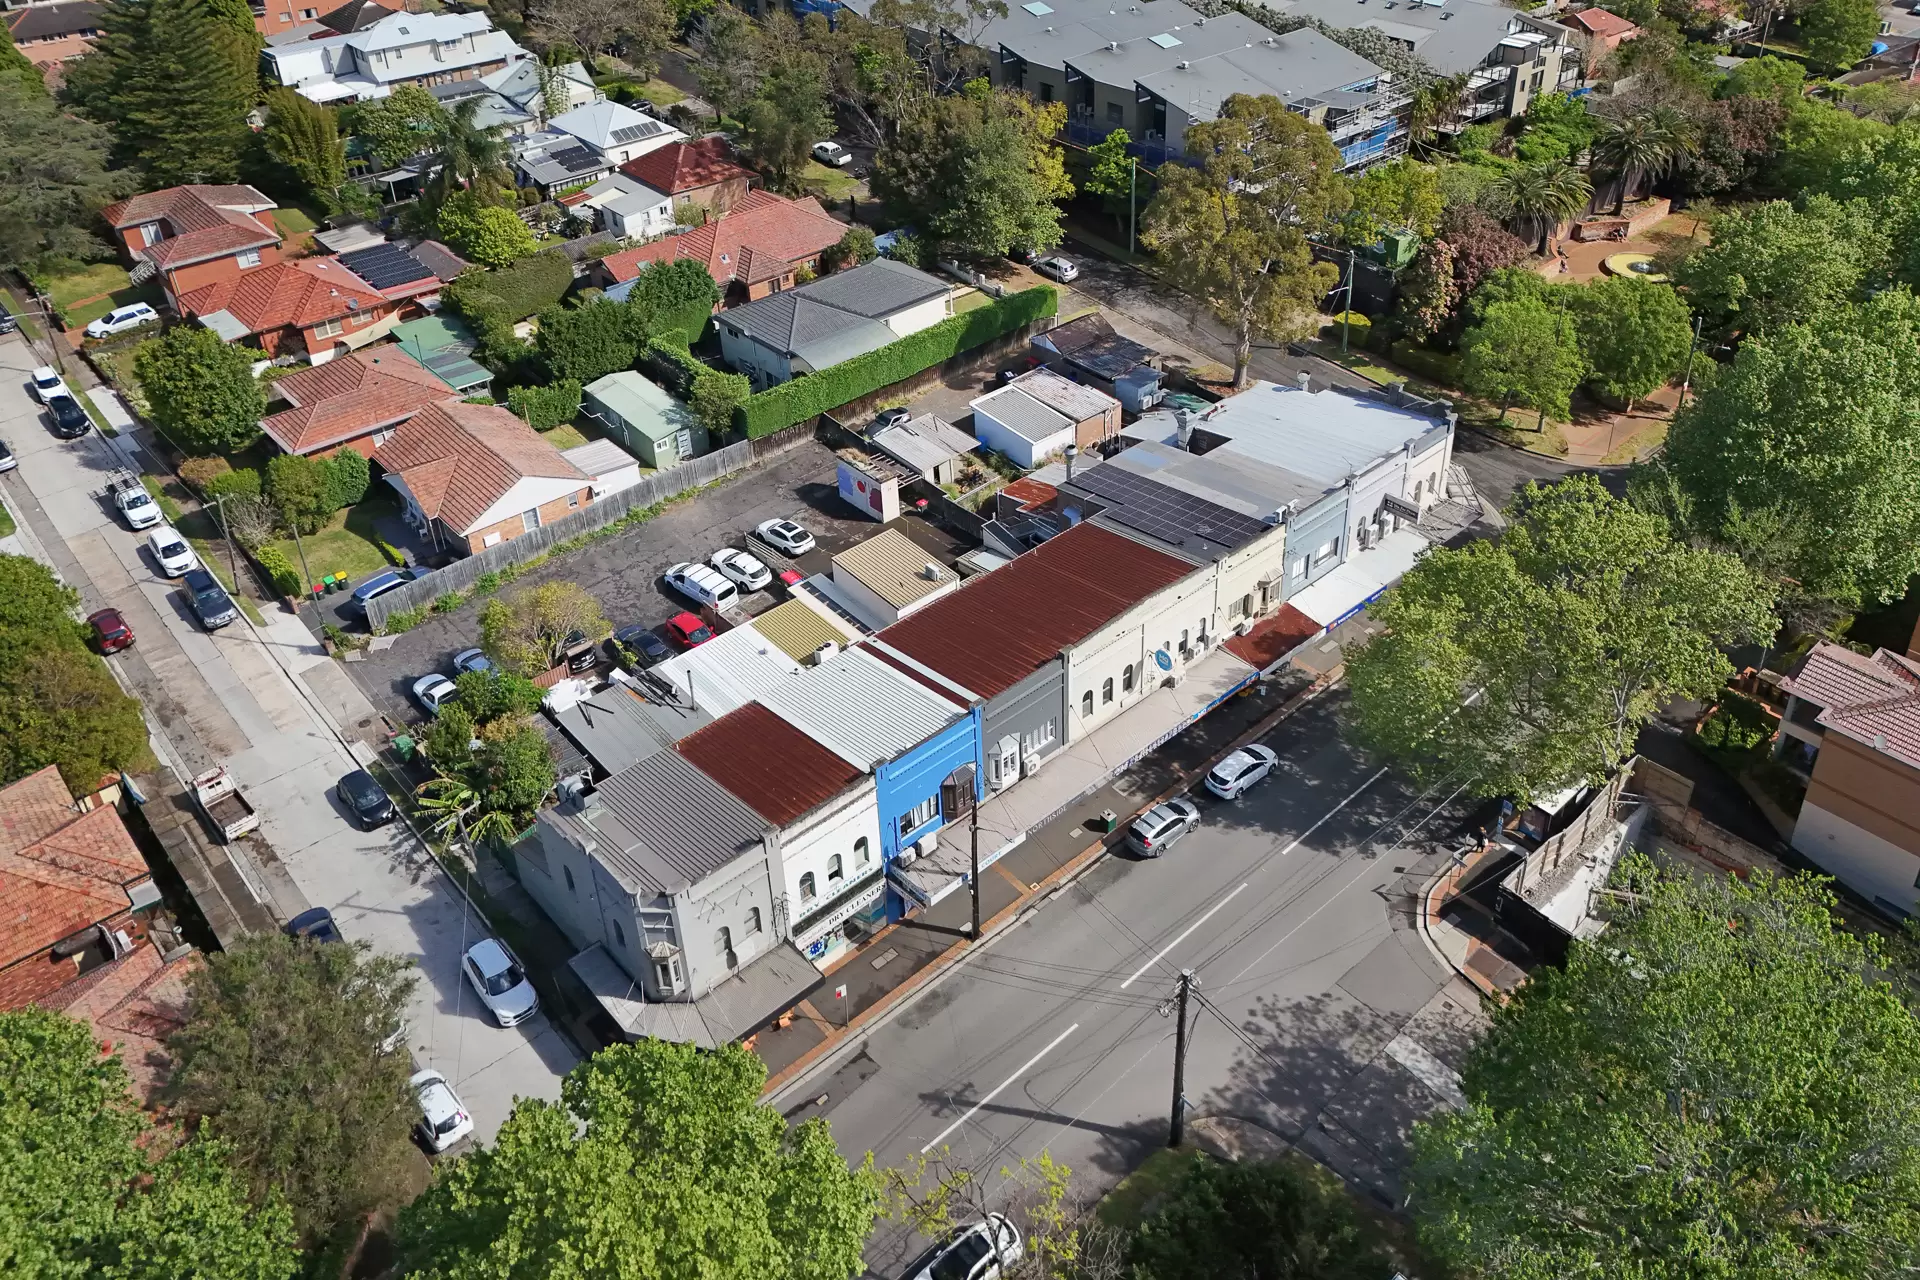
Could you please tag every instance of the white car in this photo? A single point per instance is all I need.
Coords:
(433, 691)
(443, 1120)
(786, 536)
(1057, 267)
(171, 551)
(137, 505)
(500, 982)
(832, 154)
(471, 660)
(698, 582)
(121, 319)
(968, 1253)
(745, 570)
(47, 383)
(1231, 777)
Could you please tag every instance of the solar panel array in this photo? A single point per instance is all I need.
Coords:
(629, 133)
(575, 159)
(1159, 511)
(385, 266)
(456, 369)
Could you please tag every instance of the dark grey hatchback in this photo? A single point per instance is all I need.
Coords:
(370, 805)
(211, 603)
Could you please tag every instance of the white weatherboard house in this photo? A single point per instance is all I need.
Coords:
(617, 133)
(408, 48)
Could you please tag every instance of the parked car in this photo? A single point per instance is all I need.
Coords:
(315, 923)
(1231, 777)
(745, 571)
(219, 797)
(639, 645)
(171, 552)
(70, 421)
(1156, 829)
(432, 690)
(7, 323)
(134, 502)
(366, 799)
(1058, 268)
(684, 631)
(47, 383)
(7, 461)
(832, 154)
(785, 535)
(471, 660)
(891, 417)
(500, 982)
(111, 633)
(211, 603)
(1020, 253)
(443, 1120)
(791, 578)
(699, 583)
(121, 319)
(378, 585)
(968, 1252)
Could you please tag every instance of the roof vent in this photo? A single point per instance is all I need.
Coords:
(826, 653)
(1305, 380)
(1113, 46)
(932, 572)
(1183, 65)
(1879, 742)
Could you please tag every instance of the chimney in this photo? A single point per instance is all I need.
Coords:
(1073, 451)
(1305, 380)
(1183, 426)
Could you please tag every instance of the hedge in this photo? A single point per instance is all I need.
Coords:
(672, 365)
(779, 407)
(1434, 366)
(514, 292)
(286, 578)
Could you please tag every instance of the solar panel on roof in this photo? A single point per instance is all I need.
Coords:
(1159, 511)
(454, 368)
(574, 158)
(385, 266)
(1038, 9)
(628, 133)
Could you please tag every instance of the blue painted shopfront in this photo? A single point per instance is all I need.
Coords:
(913, 791)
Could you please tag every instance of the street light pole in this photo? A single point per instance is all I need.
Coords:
(1133, 200)
(1177, 1131)
(1346, 312)
(974, 829)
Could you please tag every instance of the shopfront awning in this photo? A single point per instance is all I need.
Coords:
(1365, 575)
(753, 996)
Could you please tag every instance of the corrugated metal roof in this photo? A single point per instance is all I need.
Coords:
(772, 766)
(1021, 414)
(618, 729)
(798, 630)
(895, 568)
(861, 709)
(728, 671)
(599, 458)
(1325, 436)
(1064, 396)
(683, 825)
(1003, 626)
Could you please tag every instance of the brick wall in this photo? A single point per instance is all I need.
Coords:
(183, 280)
(515, 525)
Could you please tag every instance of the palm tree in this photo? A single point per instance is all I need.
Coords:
(1646, 144)
(452, 801)
(468, 154)
(1541, 196)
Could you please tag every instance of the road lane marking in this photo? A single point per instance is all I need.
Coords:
(1364, 870)
(1183, 936)
(1025, 1067)
(1329, 813)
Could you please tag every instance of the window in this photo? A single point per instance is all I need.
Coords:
(530, 519)
(1106, 690)
(151, 233)
(327, 329)
(568, 873)
(807, 892)
(1416, 491)
(1114, 115)
(920, 815)
(753, 921)
(1325, 551)
(1086, 703)
(619, 934)
(1126, 678)
(1183, 640)
(835, 874)
(1046, 93)
(573, 499)
(1299, 569)
(381, 437)
(250, 258)
(723, 942)
(861, 855)
(1045, 734)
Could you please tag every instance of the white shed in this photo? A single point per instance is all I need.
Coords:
(1012, 422)
(610, 467)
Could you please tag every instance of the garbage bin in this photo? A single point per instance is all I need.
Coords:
(1109, 821)
(403, 747)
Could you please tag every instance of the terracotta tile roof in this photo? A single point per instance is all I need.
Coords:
(459, 459)
(350, 397)
(286, 295)
(1001, 627)
(1273, 637)
(756, 240)
(779, 771)
(1873, 700)
(60, 870)
(133, 1005)
(1602, 23)
(686, 166)
(202, 222)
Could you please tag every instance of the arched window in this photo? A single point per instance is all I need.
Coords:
(1106, 690)
(1086, 703)
(724, 941)
(753, 920)
(568, 873)
(860, 853)
(1126, 679)
(619, 934)
(834, 872)
(1417, 486)
(807, 892)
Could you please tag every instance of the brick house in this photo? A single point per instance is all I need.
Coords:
(50, 34)
(195, 236)
(751, 251)
(73, 889)
(694, 173)
(311, 306)
(473, 475)
(336, 17)
(355, 402)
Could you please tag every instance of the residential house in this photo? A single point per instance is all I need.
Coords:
(52, 34)
(309, 306)
(649, 423)
(889, 576)
(666, 882)
(925, 444)
(700, 173)
(777, 338)
(193, 236)
(628, 207)
(506, 118)
(398, 273)
(609, 467)
(404, 48)
(520, 99)
(133, 1005)
(751, 251)
(473, 475)
(73, 889)
(1087, 349)
(355, 402)
(442, 346)
(1604, 30)
(273, 18)
(1852, 731)
(615, 131)
(1040, 413)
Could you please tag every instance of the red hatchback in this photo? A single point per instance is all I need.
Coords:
(110, 631)
(685, 631)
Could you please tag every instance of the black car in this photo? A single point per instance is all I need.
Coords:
(211, 603)
(371, 806)
(70, 421)
(646, 647)
(315, 923)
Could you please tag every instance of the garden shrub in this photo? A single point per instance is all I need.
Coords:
(348, 475)
(1434, 366)
(513, 293)
(301, 491)
(200, 472)
(544, 408)
(279, 570)
(241, 483)
(671, 365)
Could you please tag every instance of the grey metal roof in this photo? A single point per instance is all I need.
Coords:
(922, 453)
(861, 709)
(875, 289)
(1301, 64)
(1237, 483)
(1054, 31)
(1201, 39)
(618, 729)
(599, 457)
(1072, 400)
(1021, 414)
(672, 826)
(800, 327)
(743, 1002)
(1326, 436)
(1453, 36)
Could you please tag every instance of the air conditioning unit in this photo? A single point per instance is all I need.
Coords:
(826, 653)
(1029, 763)
(1243, 626)
(907, 856)
(926, 844)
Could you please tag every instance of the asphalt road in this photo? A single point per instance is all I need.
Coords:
(1290, 905)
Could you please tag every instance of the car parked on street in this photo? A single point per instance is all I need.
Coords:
(832, 154)
(378, 585)
(1058, 268)
(471, 660)
(702, 585)
(122, 319)
(746, 571)
(365, 799)
(315, 924)
(432, 691)
(443, 1120)
(1154, 831)
(134, 502)
(70, 421)
(211, 603)
(785, 535)
(171, 552)
(1231, 777)
(500, 982)
(7, 461)
(685, 631)
(47, 383)
(111, 633)
(638, 645)
(968, 1252)
(7, 322)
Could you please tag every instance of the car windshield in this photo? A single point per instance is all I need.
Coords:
(447, 1126)
(172, 549)
(959, 1261)
(139, 498)
(699, 635)
(507, 979)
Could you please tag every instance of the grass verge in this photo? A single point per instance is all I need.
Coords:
(7, 526)
(99, 419)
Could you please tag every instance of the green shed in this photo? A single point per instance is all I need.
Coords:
(650, 424)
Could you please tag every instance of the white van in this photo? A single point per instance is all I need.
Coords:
(703, 584)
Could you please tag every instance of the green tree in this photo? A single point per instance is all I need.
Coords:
(92, 1189)
(173, 80)
(579, 344)
(399, 126)
(448, 741)
(348, 475)
(1557, 128)
(1253, 1219)
(481, 232)
(305, 137)
(200, 391)
(1721, 1085)
(780, 124)
(1520, 666)
(1643, 145)
(1403, 193)
(714, 396)
(1837, 33)
(284, 1056)
(527, 631)
(728, 59)
(658, 1160)
(491, 695)
(1767, 76)
(1523, 350)
(1259, 179)
(1818, 424)
(471, 156)
(511, 775)
(855, 249)
(1112, 177)
(1540, 196)
(300, 490)
(54, 179)
(1634, 335)
(16, 69)
(1774, 264)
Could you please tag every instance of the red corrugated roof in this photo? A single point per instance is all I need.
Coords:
(1029, 492)
(779, 771)
(1274, 637)
(1003, 626)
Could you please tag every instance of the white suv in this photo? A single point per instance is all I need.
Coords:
(698, 582)
(171, 551)
(443, 1121)
(121, 319)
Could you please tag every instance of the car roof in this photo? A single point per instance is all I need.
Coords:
(45, 371)
(685, 621)
(377, 581)
(1160, 814)
(106, 615)
(310, 919)
(164, 530)
(200, 579)
(436, 1095)
(359, 778)
(490, 956)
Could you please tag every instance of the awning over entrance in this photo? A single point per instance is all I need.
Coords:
(755, 995)
(1364, 576)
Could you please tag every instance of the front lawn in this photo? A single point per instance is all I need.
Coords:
(349, 543)
(81, 280)
(827, 183)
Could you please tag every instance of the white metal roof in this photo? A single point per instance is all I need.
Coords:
(861, 709)
(728, 671)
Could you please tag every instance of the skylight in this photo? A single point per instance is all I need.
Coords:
(1037, 9)
(1165, 41)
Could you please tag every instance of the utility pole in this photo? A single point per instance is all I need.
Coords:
(1346, 312)
(974, 830)
(307, 573)
(1177, 1131)
(1686, 379)
(1133, 200)
(44, 305)
(233, 559)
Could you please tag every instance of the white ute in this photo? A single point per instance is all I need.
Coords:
(134, 502)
